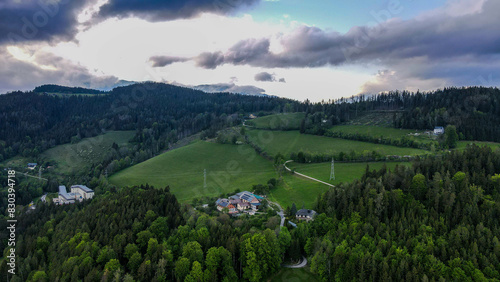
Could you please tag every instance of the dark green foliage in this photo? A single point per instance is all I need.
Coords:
(434, 221)
(160, 114)
(451, 136)
(474, 111)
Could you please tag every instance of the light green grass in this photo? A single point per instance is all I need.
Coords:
(73, 158)
(229, 167)
(384, 132)
(374, 118)
(463, 144)
(344, 172)
(298, 190)
(287, 142)
(278, 121)
(294, 275)
(17, 162)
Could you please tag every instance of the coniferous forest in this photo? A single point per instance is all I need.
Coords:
(435, 218)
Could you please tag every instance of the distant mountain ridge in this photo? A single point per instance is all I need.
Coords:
(53, 88)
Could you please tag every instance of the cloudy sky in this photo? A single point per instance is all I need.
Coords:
(321, 49)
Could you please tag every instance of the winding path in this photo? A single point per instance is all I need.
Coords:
(305, 176)
(281, 213)
(301, 264)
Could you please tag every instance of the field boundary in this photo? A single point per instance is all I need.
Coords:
(305, 176)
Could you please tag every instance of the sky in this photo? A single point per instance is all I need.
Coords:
(316, 50)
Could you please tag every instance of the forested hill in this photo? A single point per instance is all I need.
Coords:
(475, 111)
(141, 234)
(33, 122)
(52, 88)
(436, 221)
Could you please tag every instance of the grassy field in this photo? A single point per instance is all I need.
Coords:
(382, 131)
(293, 275)
(344, 172)
(298, 190)
(463, 144)
(287, 142)
(71, 158)
(278, 121)
(229, 167)
(374, 118)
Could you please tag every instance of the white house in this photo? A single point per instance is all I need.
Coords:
(304, 214)
(78, 193)
(438, 130)
(84, 191)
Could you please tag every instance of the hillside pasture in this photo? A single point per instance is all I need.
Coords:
(69, 159)
(287, 142)
(287, 121)
(229, 167)
(301, 191)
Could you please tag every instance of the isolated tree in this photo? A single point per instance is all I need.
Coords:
(451, 136)
(293, 210)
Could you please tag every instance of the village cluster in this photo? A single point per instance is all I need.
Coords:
(247, 202)
(240, 202)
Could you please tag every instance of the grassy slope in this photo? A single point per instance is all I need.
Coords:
(373, 118)
(69, 158)
(300, 191)
(378, 131)
(289, 121)
(463, 144)
(286, 142)
(344, 172)
(229, 167)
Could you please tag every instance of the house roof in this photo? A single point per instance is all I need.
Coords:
(304, 212)
(247, 197)
(62, 189)
(223, 204)
(438, 127)
(68, 196)
(244, 204)
(235, 201)
(83, 187)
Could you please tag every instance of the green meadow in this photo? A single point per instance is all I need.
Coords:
(228, 167)
(302, 191)
(287, 142)
(278, 121)
(382, 132)
(74, 158)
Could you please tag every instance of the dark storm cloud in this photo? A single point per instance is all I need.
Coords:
(159, 10)
(38, 20)
(14, 73)
(161, 61)
(264, 76)
(209, 60)
(435, 37)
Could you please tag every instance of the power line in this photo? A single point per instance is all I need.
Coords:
(332, 171)
(205, 178)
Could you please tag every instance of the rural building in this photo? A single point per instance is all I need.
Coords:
(84, 191)
(78, 193)
(243, 201)
(306, 215)
(438, 130)
(32, 165)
